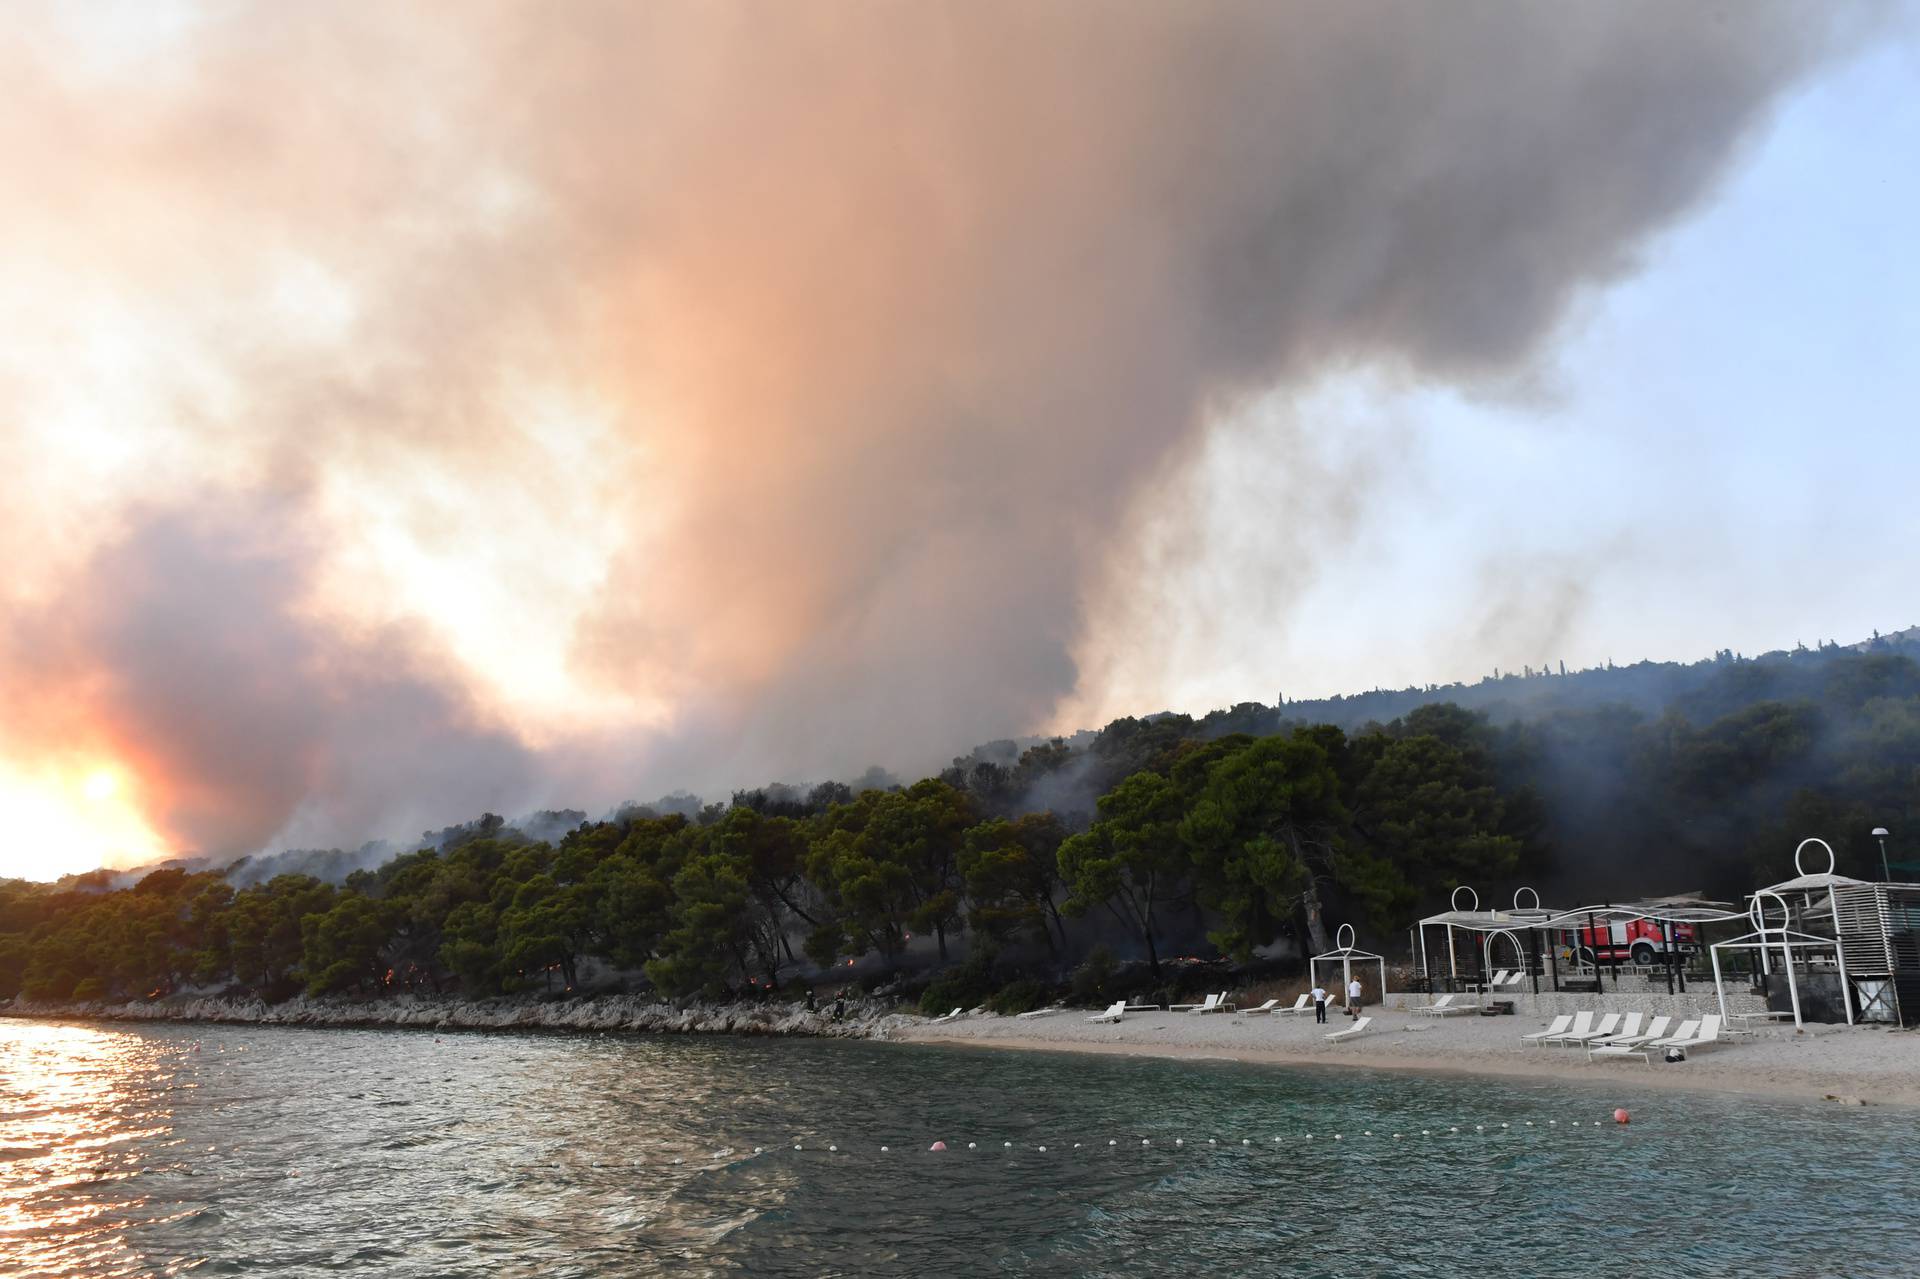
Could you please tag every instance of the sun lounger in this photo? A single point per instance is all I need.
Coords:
(1304, 1004)
(1143, 1008)
(948, 1017)
(1446, 1007)
(1267, 1007)
(1115, 1011)
(1610, 1026)
(1622, 1045)
(1043, 1012)
(1648, 1045)
(1360, 1026)
(1559, 1027)
(1582, 1023)
(1515, 979)
(1498, 979)
(1707, 1035)
(1215, 1004)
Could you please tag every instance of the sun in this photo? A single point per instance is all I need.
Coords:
(63, 819)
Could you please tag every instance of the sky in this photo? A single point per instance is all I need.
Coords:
(424, 410)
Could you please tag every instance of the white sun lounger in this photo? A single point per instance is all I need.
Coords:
(1445, 1007)
(1042, 1012)
(1215, 1004)
(1609, 1026)
(1707, 1035)
(1514, 980)
(1582, 1023)
(1304, 1004)
(1360, 1026)
(1623, 1045)
(1267, 1007)
(1558, 1027)
(1115, 1011)
(1498, 979)
(948, 1017)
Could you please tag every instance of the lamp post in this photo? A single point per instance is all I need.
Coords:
(1880, 833)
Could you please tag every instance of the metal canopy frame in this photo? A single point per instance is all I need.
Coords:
(1346, 954)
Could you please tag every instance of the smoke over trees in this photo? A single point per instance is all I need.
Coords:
(680, 395)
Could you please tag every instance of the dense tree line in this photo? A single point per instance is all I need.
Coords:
(1156, 831)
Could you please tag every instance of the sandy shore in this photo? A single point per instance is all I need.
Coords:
(1873, 1065)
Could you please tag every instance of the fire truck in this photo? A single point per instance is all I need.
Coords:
(1627, 941)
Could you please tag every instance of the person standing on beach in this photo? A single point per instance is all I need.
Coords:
(1319, 1003)
(1353, 998)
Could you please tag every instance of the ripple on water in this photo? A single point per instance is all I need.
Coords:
(124, 1152)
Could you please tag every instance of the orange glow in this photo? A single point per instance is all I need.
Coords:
(65, 820)
(72, 1120)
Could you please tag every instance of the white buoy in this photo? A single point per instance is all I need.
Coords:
(1112, 1142)
(1145, 1142)
(833, 1149)
(1076, 1145)
(1043, 1150)
(969, 1145)
(1424, 1133)
(883, 1150)
(1246, 1141)
(796, 1145)
(1179, 1141)
(759, 1150)
(1007, 1145)
(1338, 1137)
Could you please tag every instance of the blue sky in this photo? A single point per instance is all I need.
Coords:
(1722, 451)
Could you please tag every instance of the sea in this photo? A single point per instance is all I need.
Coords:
(231, 1150)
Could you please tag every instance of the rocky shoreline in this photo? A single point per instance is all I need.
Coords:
(862, 1020)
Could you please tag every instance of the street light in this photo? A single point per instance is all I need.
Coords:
(1880, 833)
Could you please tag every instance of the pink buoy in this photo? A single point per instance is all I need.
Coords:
(938, 1145)
(1621, 1116)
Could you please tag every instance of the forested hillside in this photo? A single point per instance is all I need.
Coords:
(1218, 835)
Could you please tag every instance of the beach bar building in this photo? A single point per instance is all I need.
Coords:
(1818, 947)
(1825, 947)
(1466, 948)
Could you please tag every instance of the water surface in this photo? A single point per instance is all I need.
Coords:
(275, 1151)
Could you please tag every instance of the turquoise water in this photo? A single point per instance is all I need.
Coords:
(218, 1150)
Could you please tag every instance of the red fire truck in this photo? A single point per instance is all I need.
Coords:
(1628, 941)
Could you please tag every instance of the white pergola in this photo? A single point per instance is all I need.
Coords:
(1346, 956)
(1768, 938)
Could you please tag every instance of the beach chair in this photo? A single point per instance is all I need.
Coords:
(1623, 1045)
(1214, 1004)
(1582, 1023)
(1143, 1008)
(1688, 1029)
(1611, 1027)
(1115, 1011)
(1359, 1027)
(1304, 1004)
(948, 1017)
(1497, 980)
(1558, 1027)
(1446, 1006)
(1608, 1027)
(1042, 1012)
(1267, 1007)
(1516, 978)
(1706, 1037)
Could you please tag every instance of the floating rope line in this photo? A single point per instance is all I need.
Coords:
(1180, 1143)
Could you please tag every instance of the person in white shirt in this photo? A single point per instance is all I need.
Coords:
(1353, 998)
(1320, 1003)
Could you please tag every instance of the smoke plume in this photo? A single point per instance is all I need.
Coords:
(491, 406)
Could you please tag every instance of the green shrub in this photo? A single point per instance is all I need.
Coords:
(964, 987)
(90, 988)
(1019, 996)
(1094, 977)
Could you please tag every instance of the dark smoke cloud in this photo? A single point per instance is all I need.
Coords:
(892, 309)
(247, 723)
